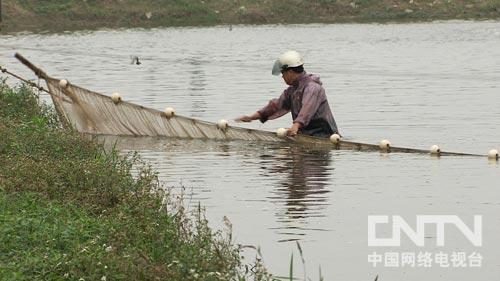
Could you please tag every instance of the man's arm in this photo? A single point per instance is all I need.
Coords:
(248, 118)
(313, 96)
(274, 109)
(311, 100)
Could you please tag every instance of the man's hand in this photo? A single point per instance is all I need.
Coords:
(244, 118)
(294, 129)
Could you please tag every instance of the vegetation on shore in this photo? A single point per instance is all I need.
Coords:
(72, 210)
(58, 15)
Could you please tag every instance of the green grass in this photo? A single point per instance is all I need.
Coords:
(71, 209)
(59, 15)
(47, 240)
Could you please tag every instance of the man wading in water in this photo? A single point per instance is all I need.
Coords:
(305, 98)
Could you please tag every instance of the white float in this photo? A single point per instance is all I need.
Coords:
(335, 138)
(385, 145)
(222, 124)
(435, 150)
(282, 132)
(493, 154)
(116, 97)
(63, 83)
(169, 112)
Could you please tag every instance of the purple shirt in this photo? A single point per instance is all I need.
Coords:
(307, 101)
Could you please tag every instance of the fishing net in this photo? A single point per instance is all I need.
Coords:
(94, 113)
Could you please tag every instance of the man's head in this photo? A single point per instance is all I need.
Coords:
(290, 64)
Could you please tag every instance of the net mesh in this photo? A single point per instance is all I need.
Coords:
(94, 113)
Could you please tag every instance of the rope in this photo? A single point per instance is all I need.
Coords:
(30, 83)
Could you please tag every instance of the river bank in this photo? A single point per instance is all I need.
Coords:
(55, 16)
(73, 210)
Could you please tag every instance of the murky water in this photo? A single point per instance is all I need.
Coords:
(415, 84)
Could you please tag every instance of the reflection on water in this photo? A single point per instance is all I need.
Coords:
(301, 193)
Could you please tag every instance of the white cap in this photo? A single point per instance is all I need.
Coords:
(286, 60)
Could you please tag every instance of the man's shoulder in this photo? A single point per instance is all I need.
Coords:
(313, 86)
(312, 79)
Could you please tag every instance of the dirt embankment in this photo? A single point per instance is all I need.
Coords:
(60, 15)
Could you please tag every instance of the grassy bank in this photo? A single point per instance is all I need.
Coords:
(71, 210)
(58, 15)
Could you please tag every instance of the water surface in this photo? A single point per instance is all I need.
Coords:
(415, 84)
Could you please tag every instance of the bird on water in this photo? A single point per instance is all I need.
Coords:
(135, 60)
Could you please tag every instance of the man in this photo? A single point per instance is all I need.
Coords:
(305, 98)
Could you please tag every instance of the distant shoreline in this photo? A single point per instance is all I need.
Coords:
(33, 16)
